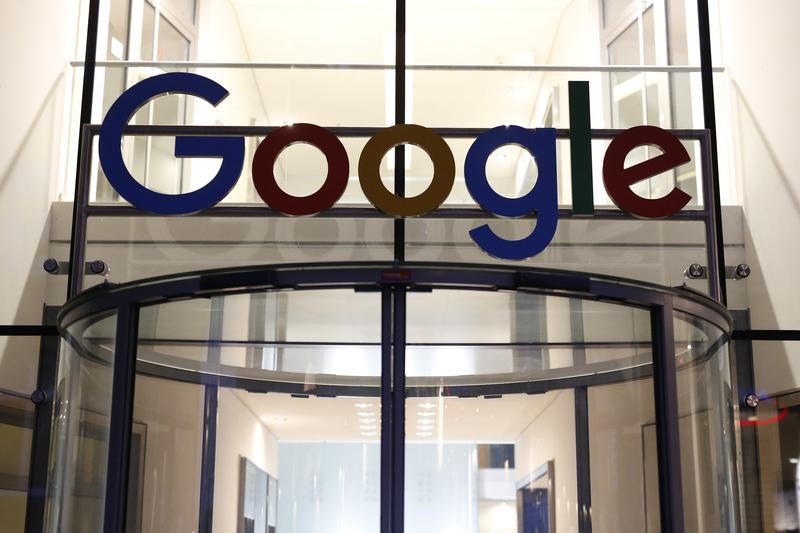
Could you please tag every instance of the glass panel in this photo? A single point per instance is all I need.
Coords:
(17, 417)
(448, 486)
(19, 364)
(141, 247)
(184, 9)
(655, 250)
(614, 9)
(501, 33)
(648, 38)
(321, 456)
(274, 335)
(313, 456)
(79, 445)
(172, 45)
(166, 450)
(624, 50)
(768, 431)
(707, 410)
(314, 31)
(148, 32)
(624, 462)
(769, 434)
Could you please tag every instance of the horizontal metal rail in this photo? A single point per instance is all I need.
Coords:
(388, 66)
(357, 131)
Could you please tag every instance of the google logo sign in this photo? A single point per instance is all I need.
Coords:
(540, 143)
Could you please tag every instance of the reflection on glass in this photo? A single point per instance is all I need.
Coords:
(79, 449)
(166, 449)
(707, 411)
(621, 447)
(17, 418)
(321, 456)
(471, 464)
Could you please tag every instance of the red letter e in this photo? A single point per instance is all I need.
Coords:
(618, 179)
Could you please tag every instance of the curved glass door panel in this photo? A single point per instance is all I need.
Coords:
(81, 410)
(500, 455)
(460, 337)
(509, 406)
(707, 410)
(289, 385)
(311, 337)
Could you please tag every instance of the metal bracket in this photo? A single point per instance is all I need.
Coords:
(98, 267)
(698, 271)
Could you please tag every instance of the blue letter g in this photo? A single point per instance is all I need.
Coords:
(230, 149)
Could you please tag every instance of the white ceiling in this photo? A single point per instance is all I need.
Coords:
(337, 419)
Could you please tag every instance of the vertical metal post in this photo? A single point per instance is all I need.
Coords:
(665, 385)
(582, 458)
(716, 276)
(121, 418)
(400, 118)
(84, 147)
(210, 410)
(77, 249)
(749, 473)
(40, 443)
(710, 121)
(386, 411)
(399, 410)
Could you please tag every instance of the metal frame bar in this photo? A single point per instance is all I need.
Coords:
(582, 449)
(400, 118)
(373, 274)
(665, 386)
(750, 501)
(80, 217)
(398, 408)
(210, 410)
(82, 178)
(766, 334)
(33, 330)
(387, 400)
(46, 380)
(710, 122)
(121, 419)
(257, 65)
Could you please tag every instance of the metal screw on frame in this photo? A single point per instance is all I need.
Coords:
(751, 400)
(38, 397)
(695, 271)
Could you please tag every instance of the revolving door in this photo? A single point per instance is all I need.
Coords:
(365, 398)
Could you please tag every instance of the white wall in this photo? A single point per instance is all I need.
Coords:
(173, 415)
(239, 434)
(551, 436)
(762, 81)
(39, 38)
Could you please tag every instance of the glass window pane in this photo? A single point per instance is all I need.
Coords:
(314, 31)
(172, 45)
(504, 32)
(148, 32)
(614, 9)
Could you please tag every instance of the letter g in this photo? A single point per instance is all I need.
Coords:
(230, 149)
